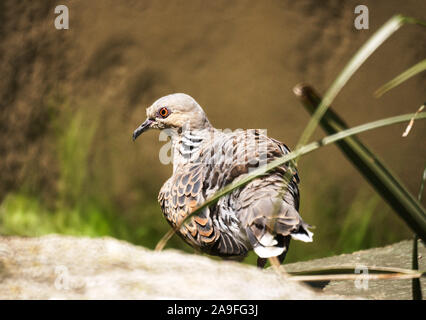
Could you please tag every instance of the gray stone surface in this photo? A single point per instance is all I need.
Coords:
(397, 255)
(63, 267)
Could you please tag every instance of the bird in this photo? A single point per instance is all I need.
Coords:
(262, 215)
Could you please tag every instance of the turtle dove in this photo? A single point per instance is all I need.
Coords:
(261, 215)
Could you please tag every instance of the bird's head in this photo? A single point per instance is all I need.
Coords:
(177, 111)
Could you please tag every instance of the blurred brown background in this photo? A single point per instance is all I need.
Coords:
(70, 100)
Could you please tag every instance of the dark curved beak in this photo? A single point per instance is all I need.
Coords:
(142, 128)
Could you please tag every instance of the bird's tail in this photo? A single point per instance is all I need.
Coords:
(271, 228)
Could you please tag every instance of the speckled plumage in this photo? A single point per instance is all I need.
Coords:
(257, 216)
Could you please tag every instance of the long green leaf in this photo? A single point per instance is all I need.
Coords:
(369, 165)
(391, 26)
(416, 286)
(422, 185)
(407, 74)
(350, 269)
(347, 272)
(286, 158)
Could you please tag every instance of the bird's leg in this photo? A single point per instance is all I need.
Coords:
(261, 262)
(281, 257)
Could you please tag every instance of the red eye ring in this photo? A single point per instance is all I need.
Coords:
(164, 112)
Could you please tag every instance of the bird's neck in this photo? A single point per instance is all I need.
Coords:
(188, 145)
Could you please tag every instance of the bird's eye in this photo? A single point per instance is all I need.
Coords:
(164, 112)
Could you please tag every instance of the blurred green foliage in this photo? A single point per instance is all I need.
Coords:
(25, 215)
(73, 147)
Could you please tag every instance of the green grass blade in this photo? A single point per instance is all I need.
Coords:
(407, 74)
(348, 272)
(350, 269)
(412, 20)
(411, 123)
(354, 276)
(369, 165)
(391, 26)
(357, 60)
(292, 155)
(416, 287)
(422, 184)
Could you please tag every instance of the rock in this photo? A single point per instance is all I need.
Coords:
(397, 255)
(64, 267)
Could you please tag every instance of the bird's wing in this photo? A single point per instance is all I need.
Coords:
(267, 208)
(179, 196)
(226, 159)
